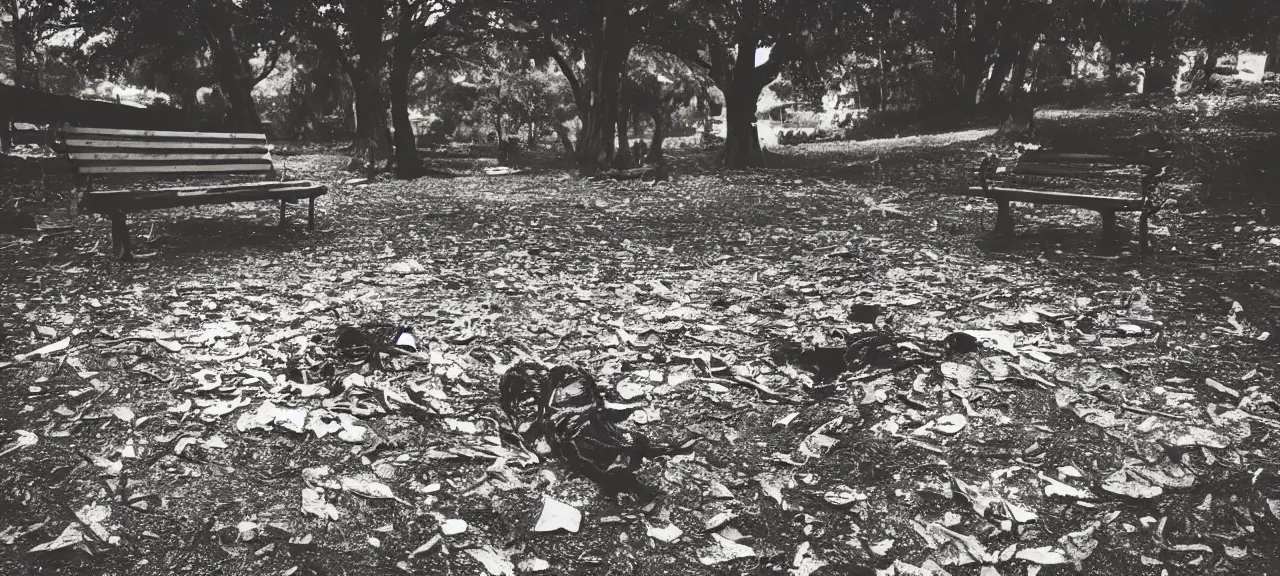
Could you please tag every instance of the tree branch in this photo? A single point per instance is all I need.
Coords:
(269, 66)
(566, 68)
(784, 51)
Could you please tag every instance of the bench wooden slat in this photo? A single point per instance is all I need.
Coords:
(1087, 201)
(1068, 170)
(153, 156)
(174, 199)
(164, 134)
(218, 187)
(77, 144)
(1142, 159)
(1079, 158)
(177, 169)
(255, 159)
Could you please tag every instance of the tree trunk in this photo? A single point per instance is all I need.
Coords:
(19, 57)
(408, 163)
(987, 18)
(372, 145)
(372, 149)
(1005, 59)
(742, 141)
(705, 112)
(659, 134)
(1020, 112)
(563, 134)
(961, 38)
(622, 157)
(1019, 79)
(1208, 69)
(235, 78)
(606, 62)
(884, 77)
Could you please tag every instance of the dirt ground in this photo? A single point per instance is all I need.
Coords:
(1117, 416)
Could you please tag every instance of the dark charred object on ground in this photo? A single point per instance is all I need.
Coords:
(871, 350)
(564, 406)
(368, 342)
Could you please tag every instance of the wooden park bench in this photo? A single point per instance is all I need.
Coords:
(99, 153)
(1076, 179)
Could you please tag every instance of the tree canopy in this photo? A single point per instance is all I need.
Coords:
(588, 70)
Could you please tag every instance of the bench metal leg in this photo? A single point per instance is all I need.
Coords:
(1004, 218)
(282, 221)
(311, 213)
(1108, 228)
(120, 244)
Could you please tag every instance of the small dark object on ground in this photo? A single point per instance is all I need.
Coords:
(880, 350)
(865, 313)
(369, 342)
(655, 173)
(572, 416)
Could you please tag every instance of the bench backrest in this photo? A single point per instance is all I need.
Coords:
(109, 152)
(1077, 165)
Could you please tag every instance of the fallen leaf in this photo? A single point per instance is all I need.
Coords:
(24, 440)
(724, 550)
(313, 503)
(669, 534)
(495, 562)
(70, 536)
(719, 520)
(530, 565)
(1044, 555)
(368, 488)
(453, 527)
(557, 515)
(951, 424)
(44, 350)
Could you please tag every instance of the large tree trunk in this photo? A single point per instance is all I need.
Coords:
(961, 38)
(602, 83)
(372, 145)
(6, 108)
(1022, 66)
(979, 50)
(1020, 112)
(622, 157)
(372, 148)
(23, 37)
(742, 141)
(1006, 57)
(19, 58)
(408, 163)
(231, 69)
(562, 133)
(659, 134)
